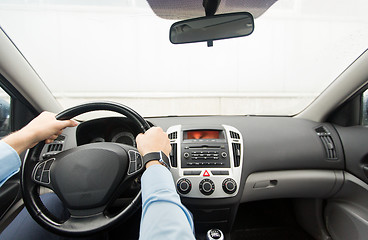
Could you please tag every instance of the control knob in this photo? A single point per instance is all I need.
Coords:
(206, 186)
(186, 155)
(184, 186)
(229, 185)
(224, 154)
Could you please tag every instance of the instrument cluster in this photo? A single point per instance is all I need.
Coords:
(118, 130)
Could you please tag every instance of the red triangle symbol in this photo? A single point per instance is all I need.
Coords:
(206, 174)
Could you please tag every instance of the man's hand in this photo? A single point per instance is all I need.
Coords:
(43, 127)
(154, 140)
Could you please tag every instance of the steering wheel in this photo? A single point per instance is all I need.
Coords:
(86, 178)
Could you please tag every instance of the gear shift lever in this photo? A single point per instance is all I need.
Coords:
(215, 234)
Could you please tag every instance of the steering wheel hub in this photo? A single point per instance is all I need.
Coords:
(86, 176)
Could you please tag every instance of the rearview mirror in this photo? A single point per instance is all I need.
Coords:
(210, 28)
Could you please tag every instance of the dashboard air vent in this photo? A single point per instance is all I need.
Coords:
(173, 135)
(329, 146)
(327, 142)
(173, 155)
(234, 135)
(55, 147)
(236, 153)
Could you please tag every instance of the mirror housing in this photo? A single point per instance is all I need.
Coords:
(209, 28)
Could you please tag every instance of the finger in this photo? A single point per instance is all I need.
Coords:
(71, 123)
(53, 137)
(75, 123)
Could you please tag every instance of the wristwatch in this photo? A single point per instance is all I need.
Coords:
(159, 156)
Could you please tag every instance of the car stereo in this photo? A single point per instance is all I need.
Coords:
(204, 148)
(206, 161)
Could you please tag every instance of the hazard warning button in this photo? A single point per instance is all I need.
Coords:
(206, 174)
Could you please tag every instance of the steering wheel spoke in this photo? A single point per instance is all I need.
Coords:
(85, 224)
(135, 162)
(41, 173)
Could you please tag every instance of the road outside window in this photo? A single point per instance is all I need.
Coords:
(4, 113)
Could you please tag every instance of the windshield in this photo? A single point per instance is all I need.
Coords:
(120, 51)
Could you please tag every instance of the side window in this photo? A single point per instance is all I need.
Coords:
(5, 127)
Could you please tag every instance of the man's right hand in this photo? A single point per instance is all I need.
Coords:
(154, 140)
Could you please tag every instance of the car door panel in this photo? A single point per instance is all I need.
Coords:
(9, 194)
(355, 143)
(346, 213)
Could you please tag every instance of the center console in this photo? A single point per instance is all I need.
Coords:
(206, 164)
(206, 160)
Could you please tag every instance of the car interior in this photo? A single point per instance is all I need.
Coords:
(252, 176)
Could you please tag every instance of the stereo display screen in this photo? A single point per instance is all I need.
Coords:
(202, 134)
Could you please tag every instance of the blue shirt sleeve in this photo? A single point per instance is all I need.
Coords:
(9, 162)
(163, 214)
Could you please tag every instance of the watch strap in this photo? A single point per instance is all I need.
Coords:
(159, 156)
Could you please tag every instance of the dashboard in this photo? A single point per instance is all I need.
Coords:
(218, 162)
(230, 159)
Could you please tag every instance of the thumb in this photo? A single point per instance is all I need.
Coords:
(68, 123)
